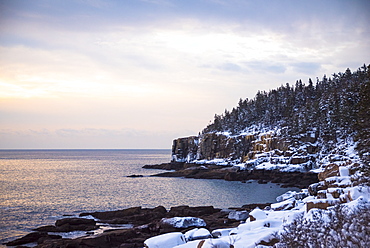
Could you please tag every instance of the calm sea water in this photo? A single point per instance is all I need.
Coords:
(39, 186)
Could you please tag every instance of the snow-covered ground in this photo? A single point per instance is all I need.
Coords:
(265, 225)
(334, 211)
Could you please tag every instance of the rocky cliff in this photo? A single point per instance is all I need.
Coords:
(296, 127)
(264, 148)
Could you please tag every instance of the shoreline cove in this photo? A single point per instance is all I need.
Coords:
(130, 227)
(43, 186)
(335, 191)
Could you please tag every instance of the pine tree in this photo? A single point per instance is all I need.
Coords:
(336, 107)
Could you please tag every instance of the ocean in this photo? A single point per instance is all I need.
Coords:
(40, 186)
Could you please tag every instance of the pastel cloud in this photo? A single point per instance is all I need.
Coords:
(163, 66)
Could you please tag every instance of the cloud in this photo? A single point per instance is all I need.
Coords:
(230, 67)
(306, 67)
(266, 66)
(101, 68)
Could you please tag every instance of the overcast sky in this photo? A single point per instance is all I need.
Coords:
(140, 73)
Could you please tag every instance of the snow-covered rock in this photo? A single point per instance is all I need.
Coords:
(221, 232)
(167, 240)
(215, 243)
(286, 196)
(238, 215)
(197, 233)
(191, 244)
(183, 222)
(284, 205)
(208, 243)
(343, 171)
(257, 214)
(312, 214)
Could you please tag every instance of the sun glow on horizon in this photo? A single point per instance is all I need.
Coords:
(159, 68)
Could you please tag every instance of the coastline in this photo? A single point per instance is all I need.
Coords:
(146, 223)
(209, 171)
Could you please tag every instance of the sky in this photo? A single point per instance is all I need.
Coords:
(140, 73)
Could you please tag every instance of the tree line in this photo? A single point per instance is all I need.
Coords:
(337, 107)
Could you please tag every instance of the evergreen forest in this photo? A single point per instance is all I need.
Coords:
(335, 108)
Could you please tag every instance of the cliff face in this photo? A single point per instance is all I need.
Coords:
(248, 150)
(289, 128)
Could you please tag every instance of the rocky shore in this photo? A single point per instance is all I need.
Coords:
(146, 223)
(210, 171)
(143, 223)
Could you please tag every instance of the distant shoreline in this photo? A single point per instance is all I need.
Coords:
(206, 171)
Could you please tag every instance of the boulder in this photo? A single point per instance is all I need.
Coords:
(108, 239)
(299, 160)
(48, 228)
(168, 240)
(221, 232)
(214, 243)
(318, 205)
(286, 196)
(284, 205)
(32, 238)
(182, 222)
(330, 170)
(301, 195)
(197, 233)
(182, 211)
(191, 244)
(135, 215)
(75, 222)
(314, 188)
(70, 225)
(257, 214)
(114, 214)
(238, 215)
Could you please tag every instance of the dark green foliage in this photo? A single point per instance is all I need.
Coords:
(336, 108)
(362, 124)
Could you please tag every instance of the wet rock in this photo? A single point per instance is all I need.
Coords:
(135, 215)
(250, 207)
(75, 224)
(110, 239)
(32, 238)
(70, 225)
(182, 211)
(166, 166)
(288, 179)
(107, 215)
(48, 228)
